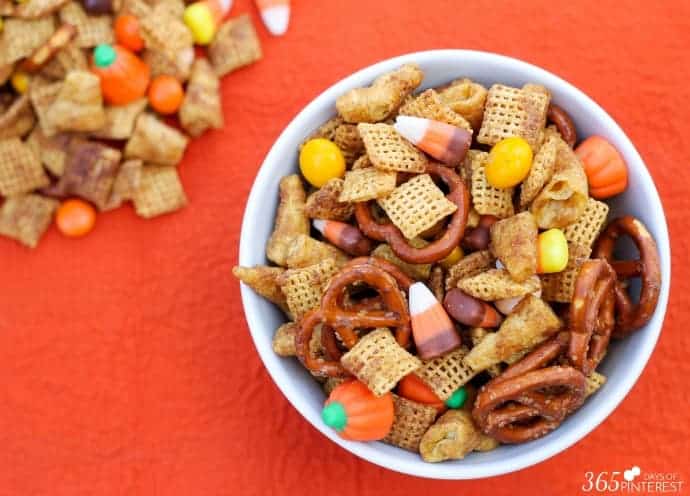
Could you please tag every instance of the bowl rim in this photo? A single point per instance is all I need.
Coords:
(420, 468)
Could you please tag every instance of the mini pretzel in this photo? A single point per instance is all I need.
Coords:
(591, 315)
(436, 250)
(563, 122)
(630, 316)
(338, 315)
(514, 411)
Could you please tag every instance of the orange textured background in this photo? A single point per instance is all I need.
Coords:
(126, 366)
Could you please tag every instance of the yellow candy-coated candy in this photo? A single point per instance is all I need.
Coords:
(509, 163)
(20, 82)
(452, 258)
(552, 251)
(199, 19)
(321, 160)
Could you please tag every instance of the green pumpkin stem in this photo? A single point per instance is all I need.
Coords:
(104, 55)
(333, 415)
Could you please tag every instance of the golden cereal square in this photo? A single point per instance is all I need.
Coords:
(167, 34)
(25, 218)
(543, 167)
(42, 98)
(486, 199)
(156, 142)
(324, 203)
(468, 266)
(120, 119)
(559, 286)
(126, 183)
(497, 284)
(162, 65)
(367, 184)
(52, 151)
(79, 104)
(418, 272)
(92, 30)
(20, 168)
(445, 374)
(379, 361)
(585, 230)
(160, 192)
(35, 9)
(410, 422)
(416, 205)
(429, 105)
(389, 151)
(594, 381)
(235, 45)
(349, 141)
(201, 108)
(20, 37)
(18, 119)
(304, 287)
(512, 112)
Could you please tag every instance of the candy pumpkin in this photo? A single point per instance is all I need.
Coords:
(415, 389)
(606, 171)
(124, 76)
(357, 414)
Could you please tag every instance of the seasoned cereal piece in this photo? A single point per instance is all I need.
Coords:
(324, 203)
(477, 334)
(119, 120)
(25, 218)
(468, 266)
(156, 142)
(445, 374)
(411, 421)
(560, 285)
(138, 8)
(586, 229)
(594, 381)
(91, 30)
(419, 272)
(497, 284)
(389, 151)
(160, 192)
(416, 206)
(42, 97)
(326, 130)
(284, 340)
(126, 183)
(52, 151)
(18, 119)
(79, 104)
(379, 361)
(514, 243)
(90, 172)
(20, 168)
(349, 141)
(20, 37)
(486, 199)
(529, 324)
(161, 65)
(362, 162)
(377, 102)
(265, 281)
(291, 220)
(169, 36)
(540, 173)
(44, 53)
(35, 9)
(304, 251)
(367, 184)
(429, 105)
(467, 98)
(453, 436)
(513, 112)
(564, 198)
(201, 108)
(235, 45)
(304, 287)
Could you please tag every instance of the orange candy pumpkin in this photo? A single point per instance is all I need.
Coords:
(415, 389)
(607, 173)
(357, 414)
(124, 76)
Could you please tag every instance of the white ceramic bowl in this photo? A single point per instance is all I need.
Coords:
(626, 358)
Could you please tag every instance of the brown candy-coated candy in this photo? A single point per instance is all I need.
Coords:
(98, 7)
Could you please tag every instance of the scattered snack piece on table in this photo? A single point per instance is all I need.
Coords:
(275, 14)
(504, 239)
(75, 218)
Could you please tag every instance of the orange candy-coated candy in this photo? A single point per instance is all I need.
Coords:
(607, 173)
(165, 94)
(127, 32)
(75, 218)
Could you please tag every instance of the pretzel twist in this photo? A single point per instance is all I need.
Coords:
(515, 407)
(591, 315)
(436, 250)
(630, 316)
(337, 315)
(563, 122)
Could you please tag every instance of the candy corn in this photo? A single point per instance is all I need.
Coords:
(469, 310)
(345, 236)
(433, 332)
(203, 18)
(444, 142)
(275, 14)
